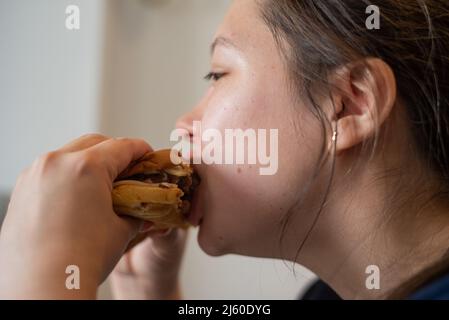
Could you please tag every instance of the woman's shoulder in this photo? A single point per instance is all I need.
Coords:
(437, 289)
(319, 290)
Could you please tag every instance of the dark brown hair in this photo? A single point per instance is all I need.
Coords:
(318, 36)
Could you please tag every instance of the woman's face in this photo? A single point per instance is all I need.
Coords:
(242, 210)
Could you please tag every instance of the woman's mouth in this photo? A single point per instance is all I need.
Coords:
(195, 215)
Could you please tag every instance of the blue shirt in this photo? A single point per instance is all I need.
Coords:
(436, 290)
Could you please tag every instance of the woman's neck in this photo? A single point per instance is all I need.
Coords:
(392, 223)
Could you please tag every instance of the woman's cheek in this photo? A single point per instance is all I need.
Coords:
(239, 206)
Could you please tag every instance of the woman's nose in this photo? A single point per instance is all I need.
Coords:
(187, 120)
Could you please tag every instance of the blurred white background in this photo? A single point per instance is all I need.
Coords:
(131, 61)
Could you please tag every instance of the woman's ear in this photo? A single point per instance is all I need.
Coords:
(366, 96)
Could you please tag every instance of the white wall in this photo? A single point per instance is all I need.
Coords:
(49, 79)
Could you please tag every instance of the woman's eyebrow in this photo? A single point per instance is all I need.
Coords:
(221, 41)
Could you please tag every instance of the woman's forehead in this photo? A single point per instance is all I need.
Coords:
(243, 27)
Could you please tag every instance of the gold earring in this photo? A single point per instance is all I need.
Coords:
(334, 136)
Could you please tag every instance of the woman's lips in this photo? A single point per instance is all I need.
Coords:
(194, 218)
(195, 215)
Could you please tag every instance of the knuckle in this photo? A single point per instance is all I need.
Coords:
(134, 142)
(141, 141)
(94, 136)
(49, 157)
(122, 140)
(25, 172)
(22, 176)
(46, 161)
(86, 164)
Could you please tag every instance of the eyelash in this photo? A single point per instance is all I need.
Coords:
(213, 76)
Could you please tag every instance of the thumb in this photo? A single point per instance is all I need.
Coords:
(129, 227)
(171, 243)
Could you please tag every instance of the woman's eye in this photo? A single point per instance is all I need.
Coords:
(213, 76)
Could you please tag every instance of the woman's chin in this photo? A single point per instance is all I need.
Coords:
(212, 246)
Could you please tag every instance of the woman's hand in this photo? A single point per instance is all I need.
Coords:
(61, 214)
(151, 269)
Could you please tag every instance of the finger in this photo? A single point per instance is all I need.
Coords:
(146, 227)
(150, 229)
(124, 265)
(136, 241)
(170, 239)
(161, 233)
(83, 142)
(170, 247)
(143, 235)
(153, 232)
(117, 154)
(165, 240)
(129, 227)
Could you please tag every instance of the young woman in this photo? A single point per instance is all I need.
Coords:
(363, 119)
